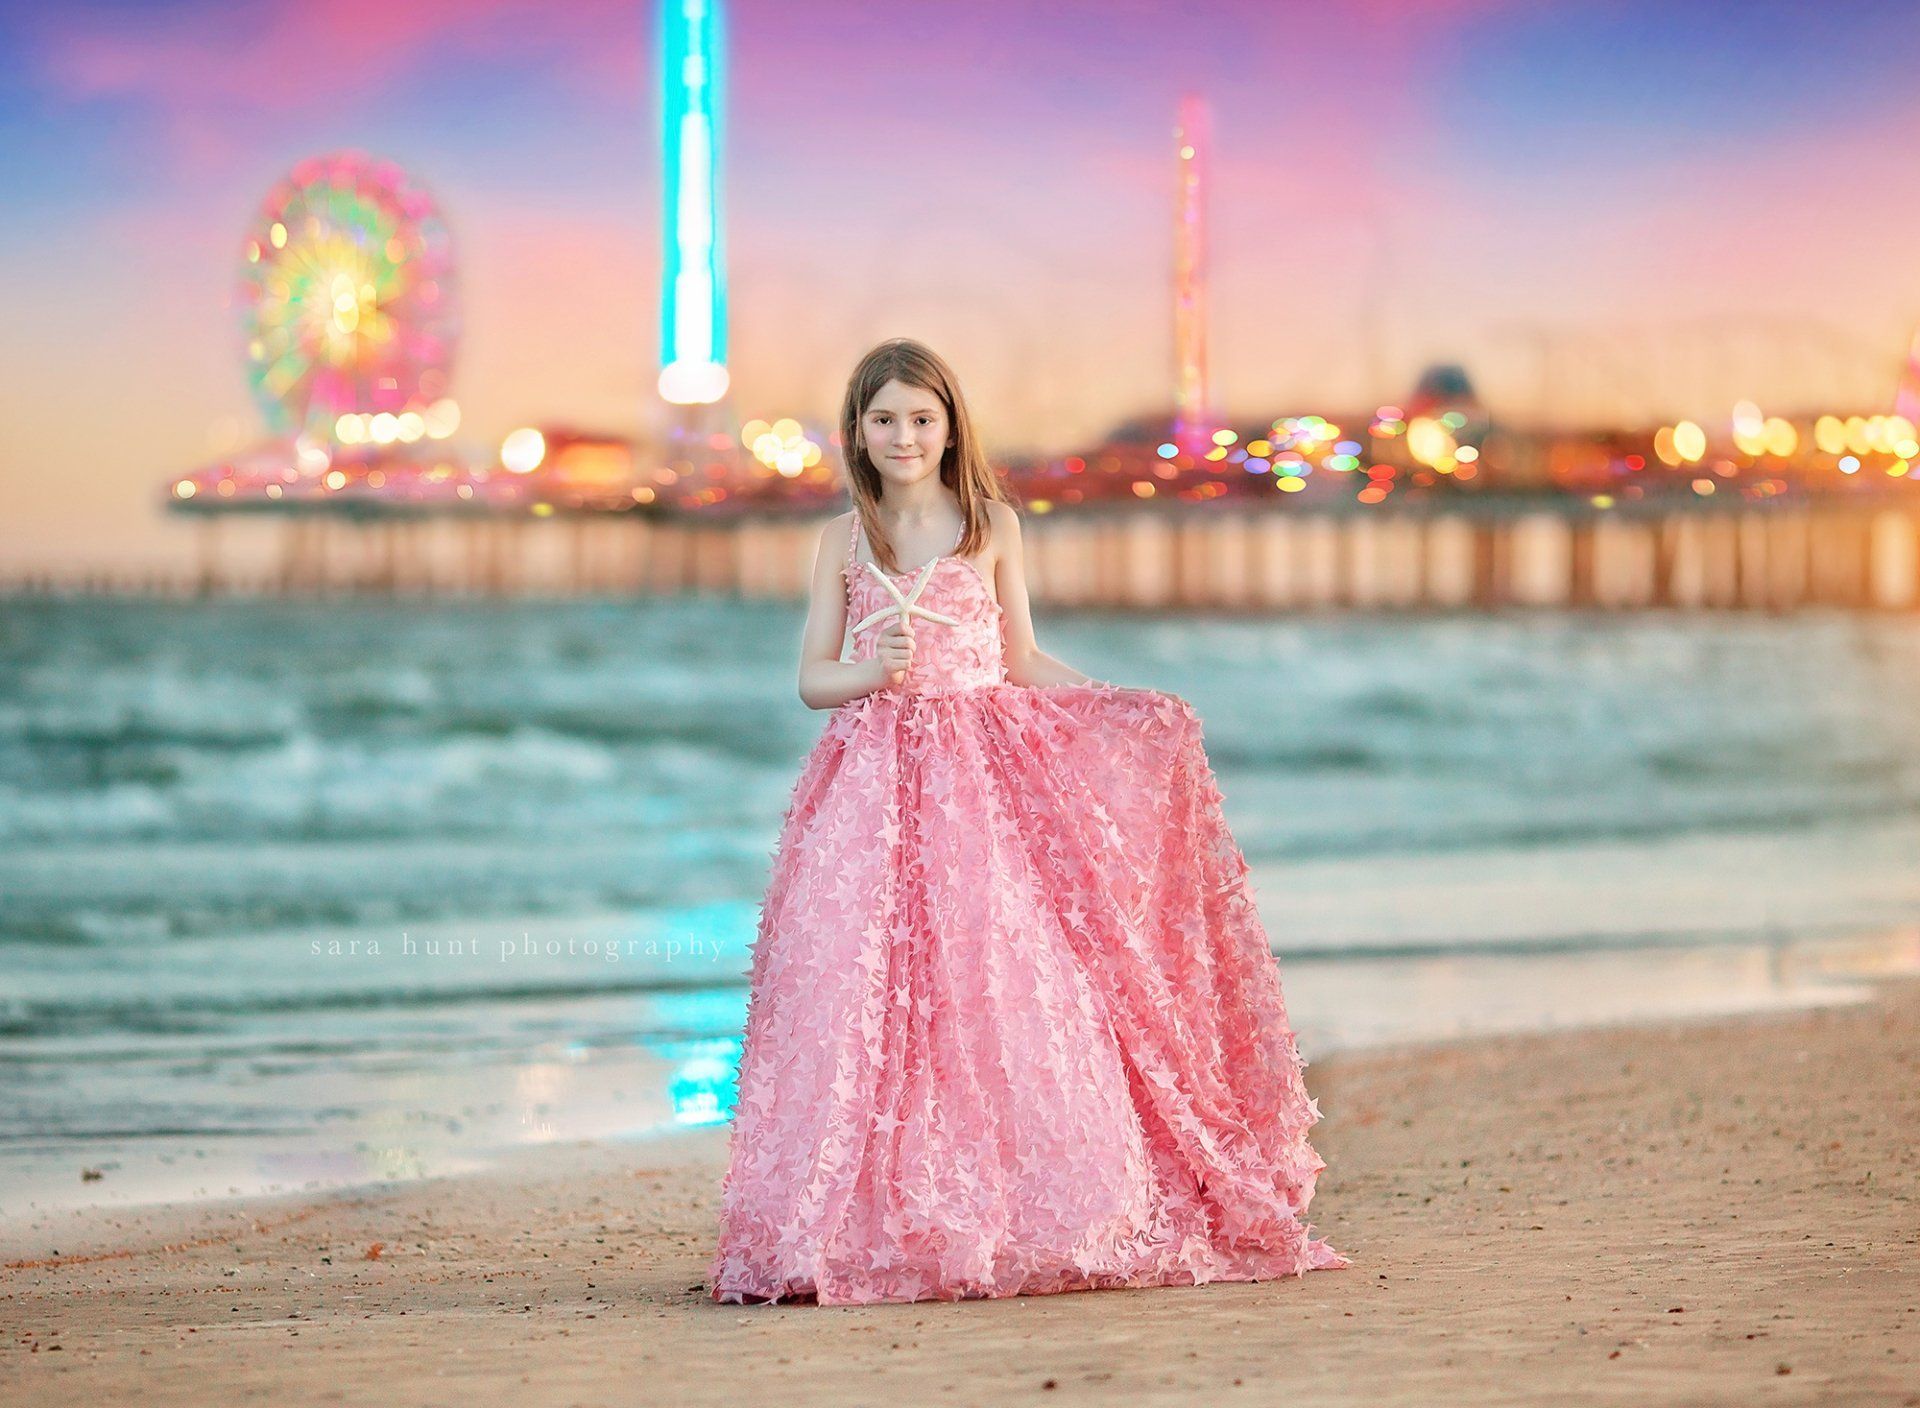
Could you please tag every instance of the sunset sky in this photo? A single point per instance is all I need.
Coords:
(1628, 209)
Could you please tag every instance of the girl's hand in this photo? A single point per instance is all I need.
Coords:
(895, 649)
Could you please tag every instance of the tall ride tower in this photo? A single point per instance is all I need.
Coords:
(1190, 429)
(693, 276)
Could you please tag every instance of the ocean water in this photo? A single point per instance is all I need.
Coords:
(307, 893)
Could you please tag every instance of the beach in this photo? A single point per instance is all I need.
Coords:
(434, 840)
(1697, 1211)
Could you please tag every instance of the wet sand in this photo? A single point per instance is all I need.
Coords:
(1721, 1211)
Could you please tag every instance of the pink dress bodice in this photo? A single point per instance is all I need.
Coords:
(958, 628)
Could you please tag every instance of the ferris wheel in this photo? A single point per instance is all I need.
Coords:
(347, 297)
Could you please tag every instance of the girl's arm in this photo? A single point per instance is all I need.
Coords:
(827, 681)
(1027, 663)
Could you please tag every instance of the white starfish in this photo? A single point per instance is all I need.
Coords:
(906, 605)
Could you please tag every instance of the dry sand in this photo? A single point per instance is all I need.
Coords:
(1724, 1212)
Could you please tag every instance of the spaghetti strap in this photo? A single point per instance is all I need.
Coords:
(853, 541)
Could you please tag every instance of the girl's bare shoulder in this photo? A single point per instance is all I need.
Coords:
(1003, 525)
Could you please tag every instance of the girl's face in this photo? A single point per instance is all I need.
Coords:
(904, 432)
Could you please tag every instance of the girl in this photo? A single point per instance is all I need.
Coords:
(1014, 1024)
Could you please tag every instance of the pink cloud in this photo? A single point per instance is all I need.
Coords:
(292, 55)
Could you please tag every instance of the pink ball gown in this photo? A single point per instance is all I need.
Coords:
(1014, 1024)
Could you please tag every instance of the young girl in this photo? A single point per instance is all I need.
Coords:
(1014, 1025)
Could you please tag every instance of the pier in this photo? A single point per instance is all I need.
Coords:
(1776, 557)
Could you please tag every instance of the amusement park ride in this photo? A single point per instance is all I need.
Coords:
(350, 313)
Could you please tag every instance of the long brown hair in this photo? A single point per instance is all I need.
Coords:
(963, 465)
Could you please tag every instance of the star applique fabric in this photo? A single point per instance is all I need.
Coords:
(1014, 1025)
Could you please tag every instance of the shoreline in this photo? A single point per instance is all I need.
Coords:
(426, 1122)
(1689, 1210)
